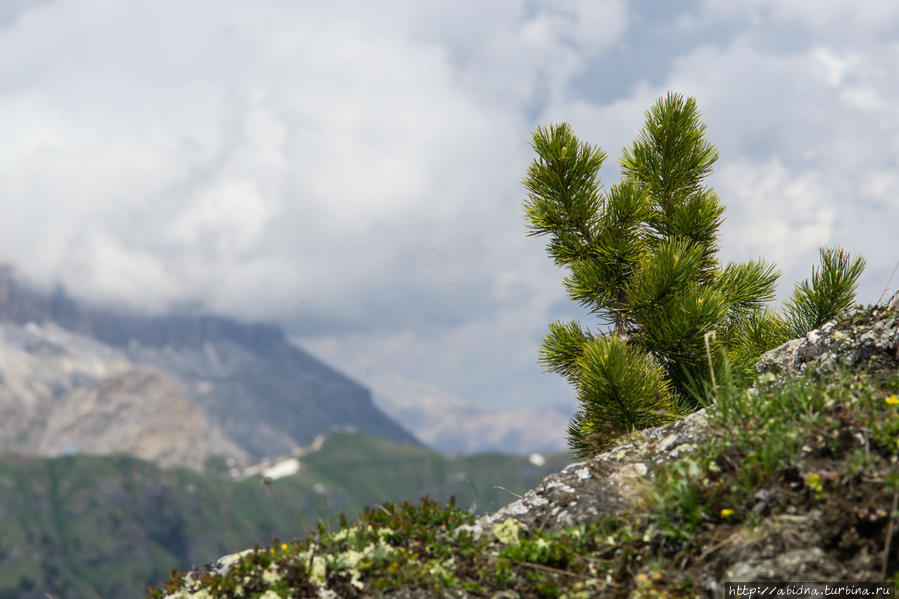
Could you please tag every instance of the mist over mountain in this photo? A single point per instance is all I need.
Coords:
(456, 426)
(254, 393)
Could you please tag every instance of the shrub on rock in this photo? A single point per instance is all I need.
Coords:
(643, 257)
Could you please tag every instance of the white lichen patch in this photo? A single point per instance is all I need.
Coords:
(319, 571)
(682, 449)
(538, 501)
(582, 474)
(271, 575)
(555, 484)
(384, 533)
(475, 530)
(184, 594)
(572, 466)
(668, 442)
(632, 470)
(344, 533)
(518, 508)
(351, 560)
(224, 564)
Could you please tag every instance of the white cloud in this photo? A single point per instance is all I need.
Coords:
(347, 170)
(806, 138)
(833, 18)
(781, 215)
(354, 172)
(836, 66)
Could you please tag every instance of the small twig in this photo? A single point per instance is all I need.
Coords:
(890, 280)
(708, 353)
(507, 491)
(886, 543)
(600, 555)
(551, 569)
(707, 552)
(267, 481)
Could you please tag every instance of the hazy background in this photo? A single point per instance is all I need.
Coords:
(353, 171)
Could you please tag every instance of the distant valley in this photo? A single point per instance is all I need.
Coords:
(455, 426)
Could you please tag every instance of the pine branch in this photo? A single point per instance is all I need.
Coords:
(827, 295)
(562, 347)
(621, 389)
(671, 155)
(747, 286)
(563, 191)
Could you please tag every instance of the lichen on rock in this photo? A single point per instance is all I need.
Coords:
(867, 341)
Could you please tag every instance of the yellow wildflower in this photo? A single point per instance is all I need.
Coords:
(892, 400)
(727, 512)
(814, 482)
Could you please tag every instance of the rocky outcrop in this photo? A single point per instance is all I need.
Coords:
(265, 394)
(608, 484)
(868, 341)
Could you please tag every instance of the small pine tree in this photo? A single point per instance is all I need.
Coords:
(643, 257)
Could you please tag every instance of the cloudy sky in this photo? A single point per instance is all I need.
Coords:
(352, 170)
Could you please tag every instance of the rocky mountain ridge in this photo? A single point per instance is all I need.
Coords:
(67, 393)
(175, 388)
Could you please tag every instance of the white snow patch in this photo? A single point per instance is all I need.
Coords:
(536, 459)
(288, 467)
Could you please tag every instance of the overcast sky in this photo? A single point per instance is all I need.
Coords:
(353, 171)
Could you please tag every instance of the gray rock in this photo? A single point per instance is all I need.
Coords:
(607, 484)
(893, 302)
(868, 341)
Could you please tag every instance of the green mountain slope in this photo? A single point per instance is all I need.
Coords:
(359, 471)
(84, 527)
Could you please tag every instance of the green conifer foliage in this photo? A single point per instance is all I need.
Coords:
(643, 258)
